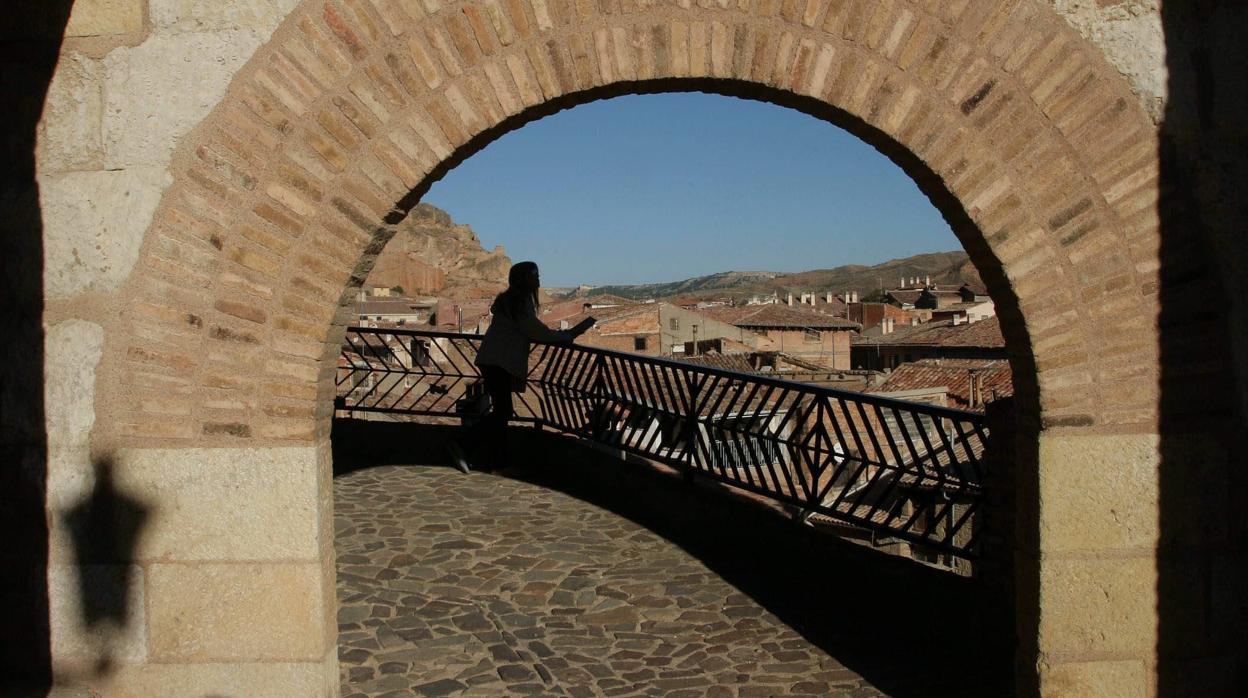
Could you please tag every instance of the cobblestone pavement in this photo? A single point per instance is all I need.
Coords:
(485, 585)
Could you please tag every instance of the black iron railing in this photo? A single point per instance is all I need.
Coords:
(898, 470)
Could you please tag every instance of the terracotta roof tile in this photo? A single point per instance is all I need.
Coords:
(729, 362)
(953, 375)
(777, 315)
(983, 334)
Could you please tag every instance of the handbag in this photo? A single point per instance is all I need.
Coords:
(474, 403)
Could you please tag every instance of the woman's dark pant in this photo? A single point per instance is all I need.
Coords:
(489, 435)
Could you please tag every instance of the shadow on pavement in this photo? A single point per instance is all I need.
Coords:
(909, 629)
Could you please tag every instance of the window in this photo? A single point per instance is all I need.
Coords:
(674, 323)
(639, 343)
(813, 336)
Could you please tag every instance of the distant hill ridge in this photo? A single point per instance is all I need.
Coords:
(943, 268)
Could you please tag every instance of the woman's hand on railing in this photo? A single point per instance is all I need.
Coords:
(582, 327)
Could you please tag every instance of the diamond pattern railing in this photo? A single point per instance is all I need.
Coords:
(906, 471)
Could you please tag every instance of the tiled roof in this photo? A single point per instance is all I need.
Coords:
(906, 295)
(983, 334)
(962, 306)
(473, 309)
(609, 299)
(953, 375)
(728, 362)
(558, 310)
(605, 316)
(404, 306)
(777, 315)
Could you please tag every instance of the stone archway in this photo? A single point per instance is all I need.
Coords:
(214, 375)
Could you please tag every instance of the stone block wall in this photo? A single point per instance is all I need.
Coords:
(224, 576)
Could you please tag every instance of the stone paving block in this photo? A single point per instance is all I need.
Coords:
(571, 614)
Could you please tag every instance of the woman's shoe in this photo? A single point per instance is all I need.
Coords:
(458, 458)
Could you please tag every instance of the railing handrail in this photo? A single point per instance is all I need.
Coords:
(872, 398)
(909, 470)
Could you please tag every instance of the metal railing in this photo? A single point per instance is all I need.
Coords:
(898, 470)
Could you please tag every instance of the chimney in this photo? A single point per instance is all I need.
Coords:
(789, 299)
(975, 388)
(827, 298)
(853, 296)
(886, 326)
(927, 280)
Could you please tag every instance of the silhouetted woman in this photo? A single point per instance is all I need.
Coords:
(504, 361)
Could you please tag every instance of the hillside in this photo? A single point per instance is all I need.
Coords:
(942, 267)
(432, 255)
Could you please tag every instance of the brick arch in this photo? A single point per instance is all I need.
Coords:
(1022, 134)
(1024, 137)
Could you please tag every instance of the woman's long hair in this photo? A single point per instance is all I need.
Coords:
(510, 303)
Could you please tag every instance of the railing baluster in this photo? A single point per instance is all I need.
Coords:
(864, 460)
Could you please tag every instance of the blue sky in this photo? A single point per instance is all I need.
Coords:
(652, 188)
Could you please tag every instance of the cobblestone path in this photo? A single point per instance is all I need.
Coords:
(488, 586)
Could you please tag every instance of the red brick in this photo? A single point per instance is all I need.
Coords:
(480, 29)
(364, 192)
(148, 355)
(519, 18)
(280, 216)
(313, 331)
(234, 429)
(363, 90)
(338, 129)
(264, 106)
(344, 32)
(465, 44)
(397, 163)
(389, 89)
(324, 47)
(276, 243)
(331, 155)
(425, 63)
(301, 181)
(443, 50)
(226, 167)
(394, 14)
(446, 123)
(242, 310)
(313, 67)
(365, 19)
(582, 61)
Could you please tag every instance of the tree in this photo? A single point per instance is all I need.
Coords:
(876, 296)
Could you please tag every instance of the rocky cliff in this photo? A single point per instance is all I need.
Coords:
(432, 255)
